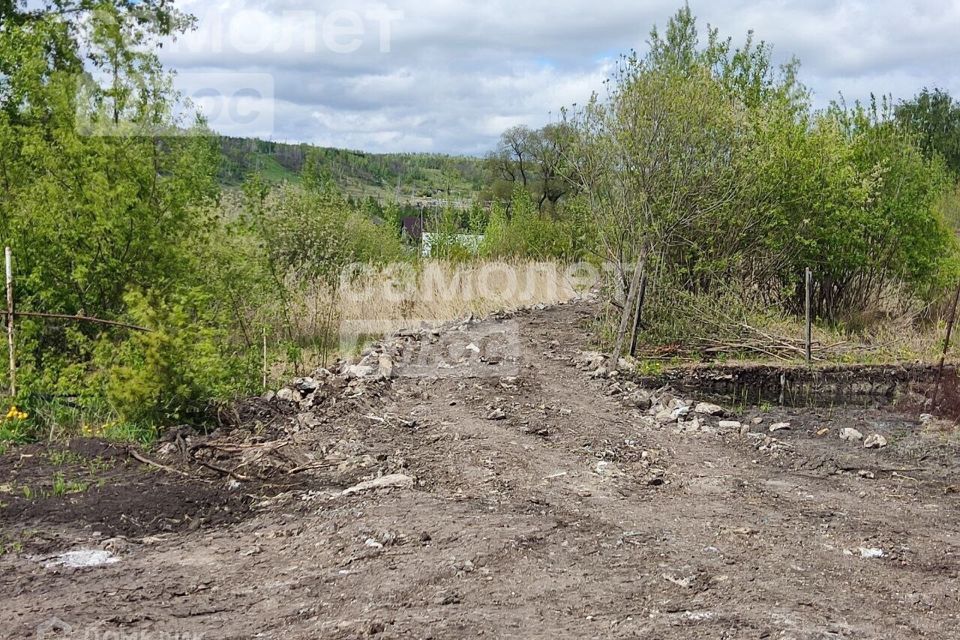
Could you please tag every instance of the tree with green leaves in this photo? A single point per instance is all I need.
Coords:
(934, 116)
(104, 195)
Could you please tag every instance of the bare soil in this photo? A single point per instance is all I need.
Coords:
(569, 515)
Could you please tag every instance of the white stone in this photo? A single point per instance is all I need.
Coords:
(395, 481)
(82, 558)
(876, 441)
(850, 435)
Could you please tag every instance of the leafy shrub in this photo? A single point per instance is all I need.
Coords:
(527, 233)
(171, 375)
(317, 233)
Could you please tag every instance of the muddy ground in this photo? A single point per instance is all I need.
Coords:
(542, 506)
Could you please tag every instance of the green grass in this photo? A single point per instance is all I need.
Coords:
(64, 457)
(57, 420)
(273, 171)
(62, 486)
(10, 546)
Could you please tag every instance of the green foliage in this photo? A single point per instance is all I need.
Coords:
(934, 116)
(317, 234)
(170, 375)
(16, 427)
(706, 163)
(527, 233)
(386, 176)
(91, 202)
(534, 160)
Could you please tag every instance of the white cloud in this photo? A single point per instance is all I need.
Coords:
(449, 76)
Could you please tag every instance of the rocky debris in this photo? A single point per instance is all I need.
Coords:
(665, 416)
(289, 395)
(640, 399)
(600, 372)
(358, 371)
(385, 367)
(850, 435)
(730, 425)
(767, 444)
(306, 386)
(394, 481)
(606, 469)
(779, 426)
(82, 559)
(708, 409)
(497, 414)
(871, 553)
(876, 441)
(589, 361)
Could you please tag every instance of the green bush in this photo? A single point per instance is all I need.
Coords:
(316, 233)
(173, 373)
(527, 233)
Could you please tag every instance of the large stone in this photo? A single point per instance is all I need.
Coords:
(385, 370)
(306, 386)
(876, 441)
(851, 435)
(666, 417)
(289, 395)
(640, 399)
(357, 371)
(497, 414)
(395, 481)
(708, 409)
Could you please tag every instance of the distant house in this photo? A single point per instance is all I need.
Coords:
(413, 228)
(467, 241)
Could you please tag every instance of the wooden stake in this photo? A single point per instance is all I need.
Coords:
(809, 306)
(627, 314)
(641, 299)
(264, 358)
(11, 342)
(951, 323)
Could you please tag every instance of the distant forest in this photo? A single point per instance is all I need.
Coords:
(417, 175)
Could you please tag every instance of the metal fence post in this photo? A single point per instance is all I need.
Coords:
(809, 306)
(11, 342)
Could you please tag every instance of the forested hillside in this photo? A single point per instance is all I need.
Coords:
(408, 176)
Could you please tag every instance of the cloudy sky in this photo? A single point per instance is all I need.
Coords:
(449, 76)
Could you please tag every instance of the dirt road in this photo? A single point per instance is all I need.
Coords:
(542, 506)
